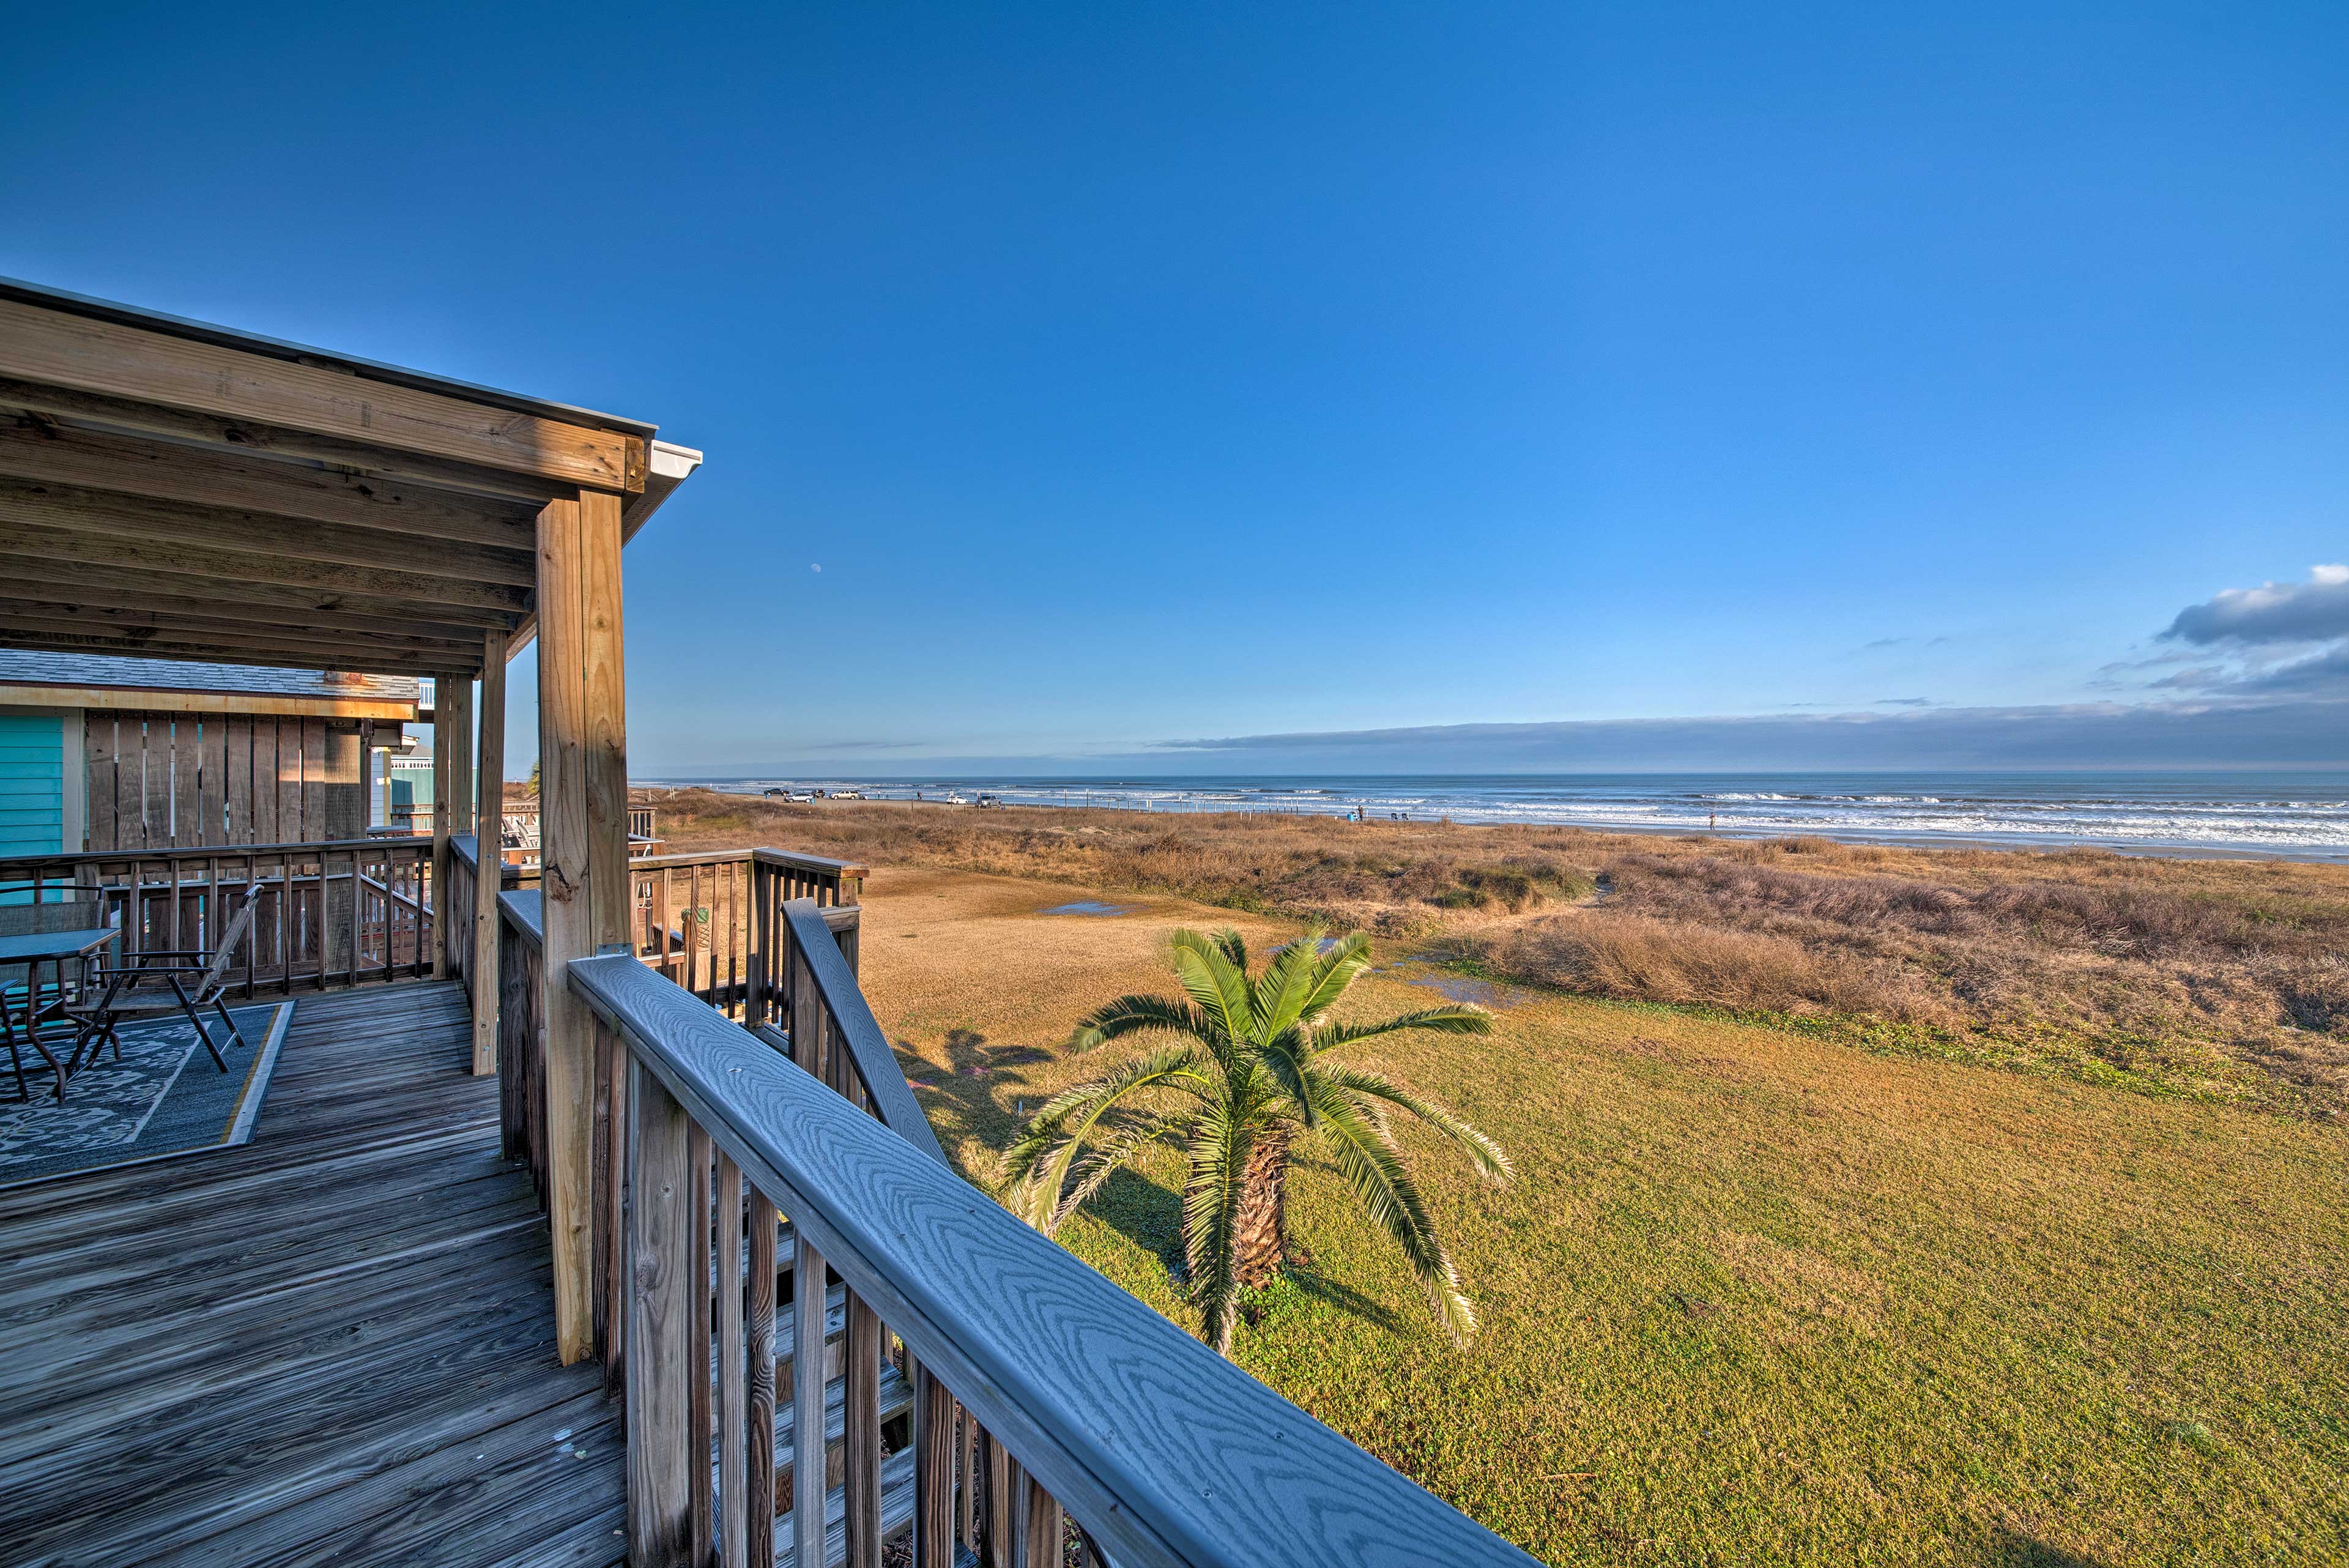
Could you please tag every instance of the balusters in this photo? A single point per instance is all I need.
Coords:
(610, 1201)
(660, 933)
(860, 1395)
(1042, 1528)
(996, 1469)
(698, 1349)
(606, 1242)
(808, 1283)
(695, 941)
(733, 1402)
(759, 1353)
(966, 1446)
(935, 1446)
(357, 902)
(661, 1497)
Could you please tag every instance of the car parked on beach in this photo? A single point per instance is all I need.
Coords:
(848, 795)
(986, 801)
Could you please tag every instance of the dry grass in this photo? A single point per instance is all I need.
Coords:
(1754, 1297)
(2213, 979)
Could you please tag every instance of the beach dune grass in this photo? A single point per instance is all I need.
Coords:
(1756, 1296)
(2213, 979)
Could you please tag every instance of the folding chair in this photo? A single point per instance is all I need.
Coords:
(154, 984)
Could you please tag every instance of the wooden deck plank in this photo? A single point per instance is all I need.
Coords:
(334, 1344)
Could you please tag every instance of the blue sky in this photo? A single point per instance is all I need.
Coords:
(1146, 375)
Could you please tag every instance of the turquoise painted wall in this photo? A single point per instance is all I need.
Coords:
(31, 783)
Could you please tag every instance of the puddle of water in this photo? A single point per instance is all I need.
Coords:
(1454, 987)
(1467, 988)
(1093, 907)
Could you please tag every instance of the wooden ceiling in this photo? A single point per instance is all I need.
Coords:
(177, 490)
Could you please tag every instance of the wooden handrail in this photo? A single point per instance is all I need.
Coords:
(1165, 1453)
(812, 863)
(855, 1027)
(691, 858)
(524, 909)
(210, 852)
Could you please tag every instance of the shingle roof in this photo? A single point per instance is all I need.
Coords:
(24, 666)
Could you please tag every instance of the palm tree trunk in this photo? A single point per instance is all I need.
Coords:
(1261, 1228)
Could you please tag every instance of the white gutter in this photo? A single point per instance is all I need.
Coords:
(667, 466)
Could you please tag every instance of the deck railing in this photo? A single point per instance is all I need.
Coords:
(327, 914)
(827, 1340)
(521, 1042)
(749, 885)
(709, 920)
(974, 1379)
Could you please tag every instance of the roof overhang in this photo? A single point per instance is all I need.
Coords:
(176, 490)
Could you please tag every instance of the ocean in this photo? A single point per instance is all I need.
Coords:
(2304, 815)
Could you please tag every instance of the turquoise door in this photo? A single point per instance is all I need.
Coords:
(31, 783)
(32, 792)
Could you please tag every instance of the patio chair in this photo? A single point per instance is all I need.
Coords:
(156, 985)
(24, 992)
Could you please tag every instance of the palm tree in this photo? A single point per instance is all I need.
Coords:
(1246, 1076)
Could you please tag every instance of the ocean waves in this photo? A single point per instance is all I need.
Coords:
(2300, 813)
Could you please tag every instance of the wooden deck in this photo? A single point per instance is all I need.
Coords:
(334, 1345)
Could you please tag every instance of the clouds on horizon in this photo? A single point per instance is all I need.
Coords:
(2269, 685)
(2314, 611)
(2306, 732)
(2252, 677)
(2279, 638)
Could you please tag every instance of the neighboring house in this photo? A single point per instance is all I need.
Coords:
(104, 752)
(408, 790)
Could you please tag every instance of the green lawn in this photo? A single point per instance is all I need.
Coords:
(1755, 1297)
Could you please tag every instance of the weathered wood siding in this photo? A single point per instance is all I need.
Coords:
(179, 781)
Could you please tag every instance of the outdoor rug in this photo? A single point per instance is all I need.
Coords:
(165, 1098)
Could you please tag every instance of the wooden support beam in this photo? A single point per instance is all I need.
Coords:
(357, 657)
(229, 568)
(36, 448)
(343, 798)
(489, 813)
(189, 428)
(126, 589)
(44, 600)
(453, 704)
(119, 514)
(583, 877)
(43, 345)
(452, 801)
(326, 644)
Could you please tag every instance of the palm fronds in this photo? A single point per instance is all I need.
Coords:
(1040, 1158)
(1247, 1061)
(1483, 1153)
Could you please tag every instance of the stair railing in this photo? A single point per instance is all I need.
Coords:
(940, 1368)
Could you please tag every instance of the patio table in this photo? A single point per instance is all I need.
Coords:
(55, 949)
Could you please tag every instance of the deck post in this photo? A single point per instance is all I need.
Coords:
(582, 856)
(343, 767)
(452, 732)
(489, 813)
